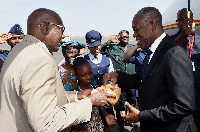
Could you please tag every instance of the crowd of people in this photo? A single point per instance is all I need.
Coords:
(160, 72)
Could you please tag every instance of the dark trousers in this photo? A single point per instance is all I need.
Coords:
(129, 96)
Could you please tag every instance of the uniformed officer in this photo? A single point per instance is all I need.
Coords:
(115, 52)
(100, 64)
(17, 36)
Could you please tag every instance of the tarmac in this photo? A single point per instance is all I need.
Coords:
(58, 57)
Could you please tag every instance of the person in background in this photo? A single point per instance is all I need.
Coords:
(31, 91)
(136, 56)
(3, 38)
(14, 36)
(84, 75)
(66, 70)
(191, 43)
(100, 64)
(165, 83)
(115, 51)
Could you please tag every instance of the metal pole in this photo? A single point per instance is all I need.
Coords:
(188, 5)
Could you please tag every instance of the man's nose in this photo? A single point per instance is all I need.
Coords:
(17, 40)
(63, 36)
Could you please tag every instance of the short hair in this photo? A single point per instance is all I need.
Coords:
(183, 9)
(78, 62)
(150, 14)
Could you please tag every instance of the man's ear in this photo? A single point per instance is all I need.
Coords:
(154, 25)
(44, 28)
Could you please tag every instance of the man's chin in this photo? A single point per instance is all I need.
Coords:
(55, 49)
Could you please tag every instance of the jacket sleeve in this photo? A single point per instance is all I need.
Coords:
(107, 48)
(180, 86)
(127, 81)
(38, 95)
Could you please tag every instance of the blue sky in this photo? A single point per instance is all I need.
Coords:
(79, 16)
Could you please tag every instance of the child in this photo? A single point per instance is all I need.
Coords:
(84, 75)
(100, 64)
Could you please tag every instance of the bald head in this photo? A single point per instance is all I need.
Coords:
(47, 26)
(38, 16)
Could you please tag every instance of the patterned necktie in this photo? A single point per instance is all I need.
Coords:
(146, 61)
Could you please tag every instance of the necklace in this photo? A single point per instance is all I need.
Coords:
(81, 89)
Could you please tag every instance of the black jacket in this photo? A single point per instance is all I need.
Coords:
(166, 93)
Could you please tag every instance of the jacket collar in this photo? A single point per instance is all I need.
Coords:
(32, 39)
(155, 57)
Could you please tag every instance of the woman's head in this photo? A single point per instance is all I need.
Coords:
(83, 71)
(69, 49)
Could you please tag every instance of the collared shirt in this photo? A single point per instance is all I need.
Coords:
(155, 44)
(97, 60)
(137, 59)
(115, 52)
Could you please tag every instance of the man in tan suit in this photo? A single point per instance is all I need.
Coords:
(32, 95)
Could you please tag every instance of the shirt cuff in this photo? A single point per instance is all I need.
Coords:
(76, 97)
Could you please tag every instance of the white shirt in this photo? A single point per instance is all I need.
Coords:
(97, 60)
(155, 45)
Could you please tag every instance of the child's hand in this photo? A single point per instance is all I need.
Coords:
(86, 129)
(110, 119)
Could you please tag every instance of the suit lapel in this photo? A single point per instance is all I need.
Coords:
(155, 57)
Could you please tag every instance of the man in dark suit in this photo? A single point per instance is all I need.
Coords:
(165, 83)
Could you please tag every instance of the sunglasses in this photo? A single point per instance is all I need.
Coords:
(59, 26)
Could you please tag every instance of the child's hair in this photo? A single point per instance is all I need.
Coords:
(78, 62)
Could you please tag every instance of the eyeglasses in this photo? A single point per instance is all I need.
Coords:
(123, 37)
(59, 26)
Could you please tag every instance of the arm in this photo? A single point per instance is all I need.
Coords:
(127, 56)
(110, 119)
(107, 47)
(124, 80)
(4, 37)
(38, 94)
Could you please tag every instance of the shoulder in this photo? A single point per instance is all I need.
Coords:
(1, 50)
(197, 37)
(104, 57)
(4, 53)
(86, 57)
